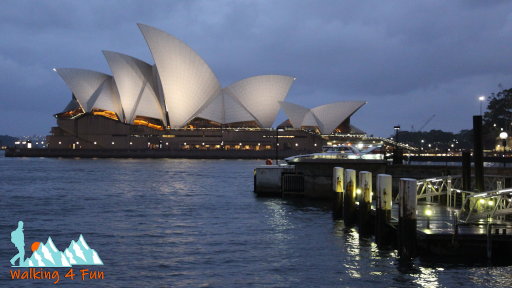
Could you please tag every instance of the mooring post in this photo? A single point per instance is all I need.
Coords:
(349, 197)
(365, 203)
(466, 171)
(407, 219)
(338, 188)
(478, 154)
(383, 209)
(489, 241)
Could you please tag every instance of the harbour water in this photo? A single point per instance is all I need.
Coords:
(197, 223)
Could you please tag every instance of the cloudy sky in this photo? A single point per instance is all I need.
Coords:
(408, 59)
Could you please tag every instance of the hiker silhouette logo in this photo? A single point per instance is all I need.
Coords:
(47, 255)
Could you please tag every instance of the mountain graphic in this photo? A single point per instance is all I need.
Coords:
(47, 255)
(78, 253)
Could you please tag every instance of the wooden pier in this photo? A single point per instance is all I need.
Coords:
(426, 217)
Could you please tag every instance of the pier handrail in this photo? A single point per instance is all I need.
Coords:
(487, 204)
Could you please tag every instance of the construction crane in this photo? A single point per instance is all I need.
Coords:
(426, 122)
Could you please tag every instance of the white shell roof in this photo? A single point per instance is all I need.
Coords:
(107, 98)
(326, 117)
(225, 109)
(260, 95)
(135, 84)
(331, 115)
(181, 86)
(295, 113)
(92, 89)
(187, 81)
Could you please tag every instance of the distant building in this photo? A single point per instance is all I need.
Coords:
(178, 103)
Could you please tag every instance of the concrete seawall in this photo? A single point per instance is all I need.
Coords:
(149, 153)
(317, 173)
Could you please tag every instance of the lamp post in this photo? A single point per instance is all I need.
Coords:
(503, 137)
(481, 99)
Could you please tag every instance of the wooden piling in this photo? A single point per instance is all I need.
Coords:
(338, 188)
(383, 208)
(349, 197)
(365, 203)
(407, 218)
(478, 154)
(489, 241)
(466, 170)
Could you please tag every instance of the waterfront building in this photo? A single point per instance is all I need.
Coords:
(177, 103)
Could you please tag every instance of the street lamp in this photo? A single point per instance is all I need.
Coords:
(481, 99)
(503, 137)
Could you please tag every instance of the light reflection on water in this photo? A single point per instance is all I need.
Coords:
(196, 223)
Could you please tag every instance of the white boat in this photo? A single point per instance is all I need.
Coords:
(342, 152)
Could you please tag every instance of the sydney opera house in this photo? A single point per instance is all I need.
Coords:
(178, 104)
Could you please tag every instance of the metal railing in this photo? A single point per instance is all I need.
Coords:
(487, 205)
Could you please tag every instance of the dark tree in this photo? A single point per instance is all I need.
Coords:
(499, 110)
(498, 116)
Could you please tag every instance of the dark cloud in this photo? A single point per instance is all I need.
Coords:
(408, 59)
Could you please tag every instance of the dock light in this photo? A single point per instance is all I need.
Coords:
(482, 201)
(490, 203)
(358, 191)
(428, 213)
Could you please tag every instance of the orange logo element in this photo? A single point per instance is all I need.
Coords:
(35, 246)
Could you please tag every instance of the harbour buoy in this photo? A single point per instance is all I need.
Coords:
(268, 162)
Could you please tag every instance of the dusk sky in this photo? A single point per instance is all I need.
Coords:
(407, 59)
